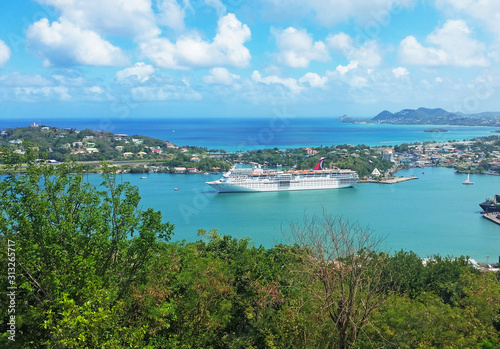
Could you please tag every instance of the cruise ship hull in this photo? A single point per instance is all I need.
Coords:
(258, 180)
(224, 187)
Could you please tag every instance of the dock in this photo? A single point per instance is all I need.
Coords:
(492, 217)
(389, 181)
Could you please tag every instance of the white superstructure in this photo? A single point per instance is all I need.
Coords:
(257, 180)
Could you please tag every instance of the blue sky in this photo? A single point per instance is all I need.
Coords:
(239, 58)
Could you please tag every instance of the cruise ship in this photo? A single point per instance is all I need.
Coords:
(259, 180)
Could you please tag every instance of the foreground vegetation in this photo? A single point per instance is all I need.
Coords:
(92, 270)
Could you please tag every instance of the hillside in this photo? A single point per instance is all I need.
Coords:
(437, 116)
(82, 145)
(64, 145)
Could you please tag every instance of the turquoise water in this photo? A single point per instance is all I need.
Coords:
(434, 214)
(257, 133)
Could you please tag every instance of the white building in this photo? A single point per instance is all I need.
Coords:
(387, 154)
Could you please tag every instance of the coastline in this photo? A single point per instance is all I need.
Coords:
(234, 134)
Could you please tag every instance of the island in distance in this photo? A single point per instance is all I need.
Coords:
(427, 116)
(436, 130)
(438, 116)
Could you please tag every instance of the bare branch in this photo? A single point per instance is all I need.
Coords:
(345, 267)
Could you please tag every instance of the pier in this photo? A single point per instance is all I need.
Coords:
(492, 217)
(388, 181)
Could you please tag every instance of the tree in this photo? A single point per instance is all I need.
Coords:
(78, 250)
(346, 272)
(408, 273)
(425, 322)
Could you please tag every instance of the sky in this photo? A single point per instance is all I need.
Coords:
(241, 58)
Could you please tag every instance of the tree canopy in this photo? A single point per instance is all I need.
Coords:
(91, 269)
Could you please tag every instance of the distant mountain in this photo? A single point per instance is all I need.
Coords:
(385, 115)
(437, 116)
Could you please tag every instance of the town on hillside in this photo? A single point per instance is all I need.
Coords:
(138, 153)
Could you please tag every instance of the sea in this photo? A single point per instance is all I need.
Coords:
(279, 131)
(434, 214)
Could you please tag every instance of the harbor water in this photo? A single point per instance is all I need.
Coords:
(434, 214)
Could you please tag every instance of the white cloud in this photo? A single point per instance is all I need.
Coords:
(20, 80)
(95, 89)
(4, 53)
(412, 52)
(31, 88)
(487, 12)
(51, 92)
(452, 45)
(400, 72)
(345, 69)
(140, 70)
(289, 83)
(313, 79)
(220, 76)
(358, 82)
(63, 43)
(109, 17)
(367, 54)
(163, 93)
(351, 75)
(227, 48)
(297, 48)
(65, 80)
(171, 14)
(158, 87)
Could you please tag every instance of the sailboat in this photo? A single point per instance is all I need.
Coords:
(467, 181)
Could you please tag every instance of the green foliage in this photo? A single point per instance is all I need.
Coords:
(488, 344)
(361, 158)
(97, 323)
(407, 273)
(72, 240)
(95, 271)
(443, 277)
(440, 276)
(423, 323)
(402, 148)
(205, 164)
(225, 293)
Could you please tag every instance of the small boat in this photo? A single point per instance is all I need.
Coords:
(467, 181)
(144, 177)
